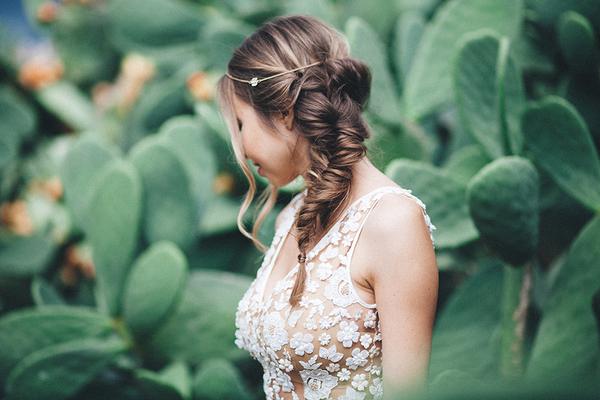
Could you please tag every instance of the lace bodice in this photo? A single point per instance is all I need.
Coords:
(329, 345)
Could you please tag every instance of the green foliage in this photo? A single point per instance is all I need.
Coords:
(17, 123)
(154, 287)
(569, 322)
(463, 164)
(202, 326)
(408, 32)
(429, 79)
(488, 92)
(68, 103)
(503, 201)
(58, 371)
(74, 30)
(169, 209)
(121, 264)
(218, 379)
(166, 23)
(473, 312)
(112, 226)
(577, 42)
(172, 382)
(80, 167)
(22, 256)
(571, 159)
(191, 143)
(23, 332)
(367, 47)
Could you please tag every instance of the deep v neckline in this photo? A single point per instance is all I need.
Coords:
(284, 235)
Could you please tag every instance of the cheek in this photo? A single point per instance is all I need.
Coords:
(277, 158)
(253, 146)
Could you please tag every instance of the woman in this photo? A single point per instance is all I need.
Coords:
(328, 315)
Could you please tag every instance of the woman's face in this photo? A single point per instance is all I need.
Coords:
(281, 155)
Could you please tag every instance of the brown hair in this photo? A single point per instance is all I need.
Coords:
(327, 102)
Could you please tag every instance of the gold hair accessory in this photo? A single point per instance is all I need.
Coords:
(255, 81)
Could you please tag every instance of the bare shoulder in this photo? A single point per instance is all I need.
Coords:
(398, 239)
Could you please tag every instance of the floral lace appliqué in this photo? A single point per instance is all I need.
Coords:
(329, 345)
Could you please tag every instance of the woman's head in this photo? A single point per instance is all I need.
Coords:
(306, 122)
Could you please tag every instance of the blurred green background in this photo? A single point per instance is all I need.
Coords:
(121, 264)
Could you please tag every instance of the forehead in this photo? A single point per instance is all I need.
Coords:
(241, 108)
(238, 106)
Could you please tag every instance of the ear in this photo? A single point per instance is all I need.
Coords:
(288, 118)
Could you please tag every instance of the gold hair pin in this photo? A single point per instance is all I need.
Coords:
(255, 81)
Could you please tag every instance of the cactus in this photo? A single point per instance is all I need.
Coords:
(429, 79)
(58, 371)
(112, 225)
(368, 47)
(25, 331)
(485, 110)
(503, 202)
(202, 327)
(219, 379)
(569, 321)
(488, 91)
(172, 382)
(570, 159)
(170, 212)
(154, 287)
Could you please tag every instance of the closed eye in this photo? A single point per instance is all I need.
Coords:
(239, 124)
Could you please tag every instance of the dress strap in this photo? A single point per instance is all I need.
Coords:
(373, 202)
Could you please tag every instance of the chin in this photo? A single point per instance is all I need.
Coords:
(283, 182)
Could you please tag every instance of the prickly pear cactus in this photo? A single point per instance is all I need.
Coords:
(121, 262)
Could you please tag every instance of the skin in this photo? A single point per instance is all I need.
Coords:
(282, 155)
(394, 263)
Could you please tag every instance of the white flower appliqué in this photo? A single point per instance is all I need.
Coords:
(348, 333)
(366, 340)
(376, 389)
(358, 359)
(330, 353)
(324, 339)
(317, 384)
(302, 343)
(360, 382)
(274, 331)
(338, 289)
(311, 364)
(324, 271)
(344, 374)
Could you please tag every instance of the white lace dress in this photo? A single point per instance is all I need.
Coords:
(329, 345)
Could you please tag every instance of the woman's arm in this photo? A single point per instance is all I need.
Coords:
(404, 276)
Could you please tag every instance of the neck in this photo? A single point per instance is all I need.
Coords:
(364, 173)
